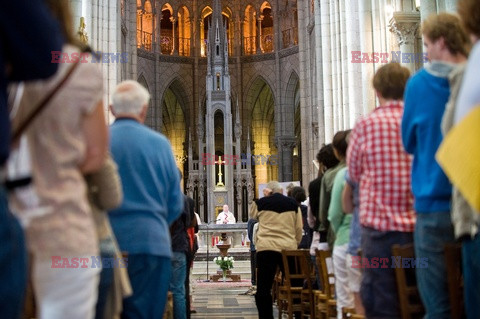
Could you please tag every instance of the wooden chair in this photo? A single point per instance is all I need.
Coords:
(326, 305)
(292, 296)
(410, 303)
(453, 262)
(277, 283)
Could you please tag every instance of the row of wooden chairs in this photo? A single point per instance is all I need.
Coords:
(293, 290)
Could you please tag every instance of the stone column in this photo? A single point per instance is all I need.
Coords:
(201, 41)
(427, 8)
(285, 147)
(327, 63)
(239, 36)
(405, 26)
(175, 36)
(451, 5)
(259, 34)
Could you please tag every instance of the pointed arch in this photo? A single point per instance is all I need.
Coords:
(250, 30)
(184, 31)
(166, 29)
(206, 12)
(291, 93)
(150, 120)
(174, 120)
(261, 104)
(145, 25)
(267, 28)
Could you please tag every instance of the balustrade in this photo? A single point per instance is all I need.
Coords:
(249, 45)
(144, 40)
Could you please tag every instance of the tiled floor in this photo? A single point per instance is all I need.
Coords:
(216, 301)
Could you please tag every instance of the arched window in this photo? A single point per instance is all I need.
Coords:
(206, 18)
(227, 19)
(266, 43)
(145, 25)
(166, 30)
(204, 25)
(250, 31)
(184, 31)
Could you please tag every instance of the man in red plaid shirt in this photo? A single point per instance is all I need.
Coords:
(377, 161)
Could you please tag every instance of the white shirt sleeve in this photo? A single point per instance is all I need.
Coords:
(469, 95)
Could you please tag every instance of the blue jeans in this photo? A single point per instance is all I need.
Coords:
(149, 276)
(432, 232)
(177, 284)
(13, 262)
(471, 276)
(378, 290)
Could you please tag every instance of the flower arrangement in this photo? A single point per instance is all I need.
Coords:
(225, 263)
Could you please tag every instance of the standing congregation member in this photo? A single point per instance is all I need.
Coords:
(350, 205)
(377, 161)
(298, 194)
(25, 54)
(465, 218)
(152, 201)
(339, 144)
(326, 159)
(340, 223)
(180, 249)
(67, 140)
(279, 227)
(426, 95)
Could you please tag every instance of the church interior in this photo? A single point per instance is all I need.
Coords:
(248, 94)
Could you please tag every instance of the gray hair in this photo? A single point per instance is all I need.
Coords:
(275, 187)
(129, 97)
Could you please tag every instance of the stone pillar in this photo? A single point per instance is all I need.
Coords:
(427, 7)
(326, 62)
(259, 34)
(175, 36)
(451, 5)
(285, 147)
(354, 78)
(238, 37)
(405, 26)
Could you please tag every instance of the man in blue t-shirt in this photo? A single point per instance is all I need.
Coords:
(426, 95)
(152, 201)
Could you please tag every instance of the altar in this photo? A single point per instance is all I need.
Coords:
(236, 236)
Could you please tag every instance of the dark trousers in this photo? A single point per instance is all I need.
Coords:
(13, 262)
(267, 263)
(150, 279)
(379, 289)
(471, 276)
(253, 266)
(187, 284)
(107, 250)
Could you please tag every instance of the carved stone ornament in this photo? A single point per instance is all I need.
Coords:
(405, 26)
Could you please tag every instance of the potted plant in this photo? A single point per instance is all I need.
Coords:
(225, 263)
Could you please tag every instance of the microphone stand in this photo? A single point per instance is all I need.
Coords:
(208, 247)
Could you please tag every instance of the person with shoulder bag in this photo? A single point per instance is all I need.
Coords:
(104, 194)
